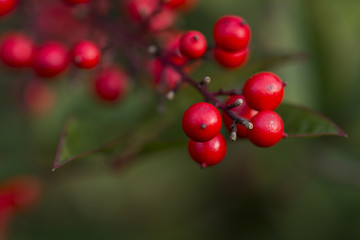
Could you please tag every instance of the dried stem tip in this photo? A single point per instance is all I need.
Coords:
(152, 49)
(170, 95)
(233, 136)
(247, 124)
(237, 103)
(205, 81)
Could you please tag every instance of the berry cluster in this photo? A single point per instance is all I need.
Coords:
(88, 36)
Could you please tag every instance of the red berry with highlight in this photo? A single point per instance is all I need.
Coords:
(6, 6)
(268, 129)
(50, 59)
(16, 50)
(231, 33)
(241, 111)
(264, 91)
(111, 84)
(231, 59)
(208, 153)
(201, 122)
(85, 54)
(193, 44)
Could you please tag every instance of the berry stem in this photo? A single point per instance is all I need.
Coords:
(209, 96)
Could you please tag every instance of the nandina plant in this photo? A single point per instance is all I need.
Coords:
(135, 44)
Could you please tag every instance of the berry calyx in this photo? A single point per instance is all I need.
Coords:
(50, 59)
(231, 33)
(201, 122)
(208, 153)
(6, 6)
(193, 44)
(16, 50)
(264, 91)
(240, 111)
(85, 54)
(231, 59)
(268, 129)
(111, 84)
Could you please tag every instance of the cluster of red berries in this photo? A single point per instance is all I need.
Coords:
(174, 55)
(53, 51)
(262, 93)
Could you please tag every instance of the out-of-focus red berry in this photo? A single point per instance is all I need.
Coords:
(85, 54)
(50, 59)
(16, 50)
(6, 6)
(39, 98)
(111, 84)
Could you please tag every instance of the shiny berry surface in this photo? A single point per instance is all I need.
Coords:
(264, 91)
(50, 59)
(6, 6)
(268, 129)
(201, 122)
(208, 153)
(16, 50)
(193, 44)
(231, 33)
(111, 84)
(241, 111)
(231, 59)
(85, 54)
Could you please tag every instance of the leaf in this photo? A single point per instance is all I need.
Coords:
(300, 121)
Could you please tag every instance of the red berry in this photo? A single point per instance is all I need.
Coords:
(50, 59)
(231, 33)
(6, 6)
(16, 50)
(20, 192)
(175, 3)
(111, 84)
(38, 97)
(268, 129)
(86, 54)
(193, 44)
(171, 46)
(201, 122)
(241, 111)
(264, 91)
(141, 10)
(231, 59)
(73, 2)
(162, 20)
(208, 153)
(57, 21)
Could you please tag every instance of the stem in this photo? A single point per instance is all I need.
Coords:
(209, 96)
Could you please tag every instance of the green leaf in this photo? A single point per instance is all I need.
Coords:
(300, 121)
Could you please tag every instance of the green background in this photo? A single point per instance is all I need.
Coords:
(299, 189)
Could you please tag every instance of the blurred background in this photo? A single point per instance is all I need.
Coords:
(299, 189)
